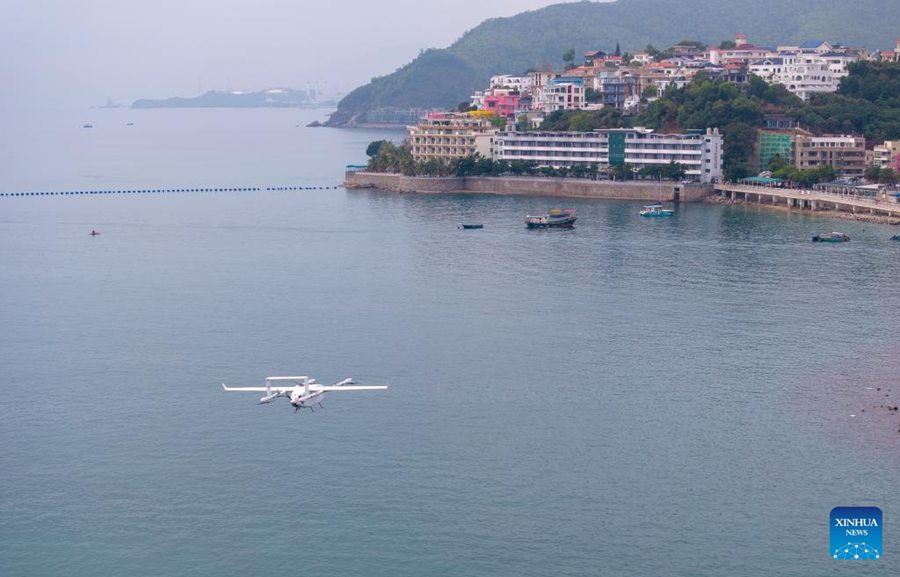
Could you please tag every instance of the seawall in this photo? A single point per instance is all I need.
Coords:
(530, 186)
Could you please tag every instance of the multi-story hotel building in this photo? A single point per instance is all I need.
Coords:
(450, 135)
(700, 153)
(847, 154)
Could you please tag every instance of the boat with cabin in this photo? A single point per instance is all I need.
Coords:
(556, 218)
(831, 237)
(656, 210)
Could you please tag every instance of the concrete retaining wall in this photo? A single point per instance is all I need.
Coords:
(530, 186)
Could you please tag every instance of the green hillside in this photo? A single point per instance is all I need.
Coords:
(441, 78)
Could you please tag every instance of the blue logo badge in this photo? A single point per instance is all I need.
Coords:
(855, 533)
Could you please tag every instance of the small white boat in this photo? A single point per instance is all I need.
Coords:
(656, 210)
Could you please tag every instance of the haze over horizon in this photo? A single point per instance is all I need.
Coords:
(80, 53)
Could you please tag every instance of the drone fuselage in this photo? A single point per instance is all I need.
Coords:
(307, 400)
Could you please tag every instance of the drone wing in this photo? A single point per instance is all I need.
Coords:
(347, 388)
(256, 389)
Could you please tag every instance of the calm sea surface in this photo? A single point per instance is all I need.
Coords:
(632, 398)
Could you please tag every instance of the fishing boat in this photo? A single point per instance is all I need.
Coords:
(471, 226)
(831, 237)
(656, 210)
(895, 237)
(556, 218)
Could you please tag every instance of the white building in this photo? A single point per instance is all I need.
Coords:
(517, 83)
(804, 74)
(887, 153)
(700, 153)
(560, 94)
(810, 68)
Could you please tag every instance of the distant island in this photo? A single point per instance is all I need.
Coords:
(271, 98)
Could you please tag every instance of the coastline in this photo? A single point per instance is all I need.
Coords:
(645, 191)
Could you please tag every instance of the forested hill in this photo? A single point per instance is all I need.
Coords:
(440, 78)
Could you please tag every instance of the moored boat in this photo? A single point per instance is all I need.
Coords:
(831, 237)
(471, 226)
(656, 210)
(556, 218)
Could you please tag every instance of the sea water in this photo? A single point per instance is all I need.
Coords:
(684, 396)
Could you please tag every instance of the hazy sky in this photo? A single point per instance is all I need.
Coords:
(79, 52)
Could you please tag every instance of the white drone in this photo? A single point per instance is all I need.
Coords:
(304, 393)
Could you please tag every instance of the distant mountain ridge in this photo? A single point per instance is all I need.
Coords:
(271, 98)
(441, 78)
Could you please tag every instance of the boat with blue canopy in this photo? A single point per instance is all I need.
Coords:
(656, 210)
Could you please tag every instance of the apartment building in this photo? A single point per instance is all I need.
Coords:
(700, 153)
(887, 155)
(847, 154)
(450, 135)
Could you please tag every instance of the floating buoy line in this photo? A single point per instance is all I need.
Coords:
(168, 190)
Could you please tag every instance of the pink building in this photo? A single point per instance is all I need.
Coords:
(504, 105)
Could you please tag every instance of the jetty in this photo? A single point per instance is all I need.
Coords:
(808, 199)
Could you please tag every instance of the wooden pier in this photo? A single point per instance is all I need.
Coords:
(807, 199)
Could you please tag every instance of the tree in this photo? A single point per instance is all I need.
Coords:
(582, 121)
(373, 147)
(739, 143)
(805, 178)
(465, 107)
(618, 51)
(673, 171)
(887, 176)
(621, 171)
(777, 163)
(522, 122)
(872, 173)
(498, 121)
(389, 157)
(727, 45)
(653, 171)
(695, 43)
(569, 58)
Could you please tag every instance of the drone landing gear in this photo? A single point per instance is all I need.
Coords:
(310, 407)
